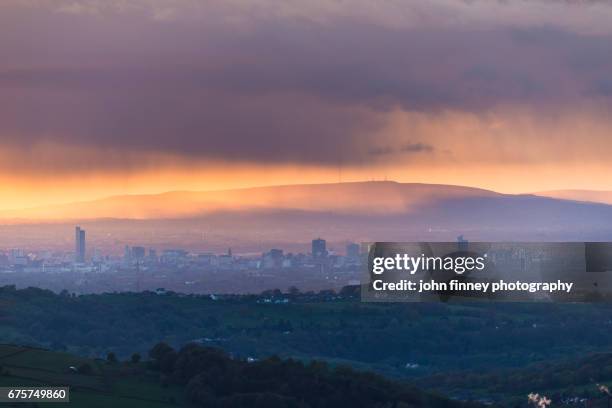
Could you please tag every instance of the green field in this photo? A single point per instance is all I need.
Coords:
(206, 377)
(117, 385)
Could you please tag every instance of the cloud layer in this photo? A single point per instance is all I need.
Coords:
(134, 83)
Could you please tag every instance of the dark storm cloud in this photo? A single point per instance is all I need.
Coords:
(277, 91)
(410, 148)
(416, 148)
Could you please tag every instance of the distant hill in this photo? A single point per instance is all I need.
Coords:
(593, 196)
(257, 219)
(378, 197)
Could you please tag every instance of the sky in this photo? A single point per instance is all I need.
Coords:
(106, 97)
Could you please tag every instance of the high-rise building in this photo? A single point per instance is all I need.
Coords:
(352, 251)
(79, 241)
(17, 257)
(319, 248)
(273, 258)
(137, 252)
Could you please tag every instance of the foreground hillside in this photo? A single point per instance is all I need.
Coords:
(93, 383)
(402, 340)
(197, 376)
(497, 353)
(580, 381)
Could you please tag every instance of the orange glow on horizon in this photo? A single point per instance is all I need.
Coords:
(28, 192)
(466, 149)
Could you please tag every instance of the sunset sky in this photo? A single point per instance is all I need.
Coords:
(105, 97)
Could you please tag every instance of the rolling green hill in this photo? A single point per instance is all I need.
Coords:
(445, 342)
(198, 376)
(117, 385)
(328, 326)
(586, 379)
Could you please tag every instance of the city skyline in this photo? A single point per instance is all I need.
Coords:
(142, 97)
(166, 267)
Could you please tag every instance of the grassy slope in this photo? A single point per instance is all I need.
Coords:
(117, 385)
